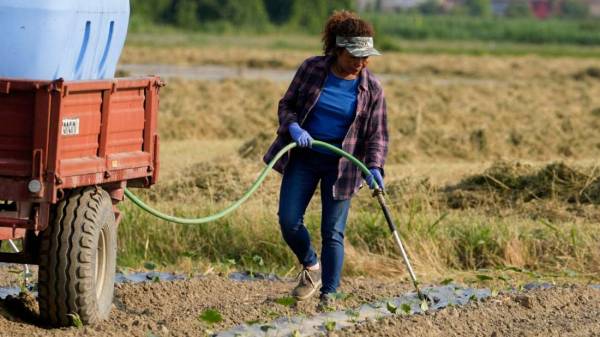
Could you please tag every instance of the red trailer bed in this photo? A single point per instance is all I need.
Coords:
(61, 135)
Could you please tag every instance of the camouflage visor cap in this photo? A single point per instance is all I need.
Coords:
(357, 46)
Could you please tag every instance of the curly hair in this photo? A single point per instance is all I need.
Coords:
(343, 23)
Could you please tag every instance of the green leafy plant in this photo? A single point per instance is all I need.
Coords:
(265, 328)
(149, 265)
(257, 259)
(391, 307)
(329, 325)
(286, 301)
(76, 320)
(211, 316)
(405, 307)
(353, 314)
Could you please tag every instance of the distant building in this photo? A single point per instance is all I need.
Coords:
(499, 7)
(541, 8)
(398, 5)
(594, 8)
(449, 4)
(363, 5)
(388, 5)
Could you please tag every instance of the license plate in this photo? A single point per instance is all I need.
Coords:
(70, 126)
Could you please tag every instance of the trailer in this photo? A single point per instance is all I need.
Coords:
(68, 150)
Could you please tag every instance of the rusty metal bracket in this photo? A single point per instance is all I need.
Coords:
(4, 87)
(56, 86)
(37, 170)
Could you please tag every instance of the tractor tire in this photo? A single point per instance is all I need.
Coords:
(78, 253)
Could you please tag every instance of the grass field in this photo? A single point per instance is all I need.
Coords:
(203, 43)
(493, 164)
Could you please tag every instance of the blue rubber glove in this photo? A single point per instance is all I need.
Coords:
(300, 136)
(375, 177)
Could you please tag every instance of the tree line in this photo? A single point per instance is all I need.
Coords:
(308, 14)
(220, 14)
(473, 20)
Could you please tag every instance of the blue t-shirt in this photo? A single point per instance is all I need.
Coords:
(334, 112)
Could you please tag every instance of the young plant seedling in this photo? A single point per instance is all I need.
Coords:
(286, 301)
(353, 314)
(149, 265)
(391, 307)
(265, 328)
(76, 320)
(329, 325)
(405, 307)
(258, 260)
(211, 316)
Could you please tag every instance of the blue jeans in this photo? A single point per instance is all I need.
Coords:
(301, 176)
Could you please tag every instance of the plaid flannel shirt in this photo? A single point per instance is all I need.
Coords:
(367, 137)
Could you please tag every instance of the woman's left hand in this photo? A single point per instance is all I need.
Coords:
(375, 177)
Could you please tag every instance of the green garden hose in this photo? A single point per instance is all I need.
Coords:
(263, 174)
(253, 188)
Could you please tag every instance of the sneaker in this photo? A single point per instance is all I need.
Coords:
(309, 282)
(326, 303)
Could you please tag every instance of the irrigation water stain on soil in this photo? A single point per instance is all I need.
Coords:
(440, 297)
(173, 308)
(559, 311)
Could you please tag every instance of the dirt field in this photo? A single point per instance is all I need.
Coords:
(173, 309)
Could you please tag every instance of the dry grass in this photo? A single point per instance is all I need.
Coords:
(525, 67)
(440, 236)
(449, 121)
(429, 118)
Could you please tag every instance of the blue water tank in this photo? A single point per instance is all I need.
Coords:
(72, 39)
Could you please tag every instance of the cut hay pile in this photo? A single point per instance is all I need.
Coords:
(514, 182)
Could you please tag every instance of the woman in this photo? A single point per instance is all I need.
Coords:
(332, 98)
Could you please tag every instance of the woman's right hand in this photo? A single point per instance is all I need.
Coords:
(300, 136)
